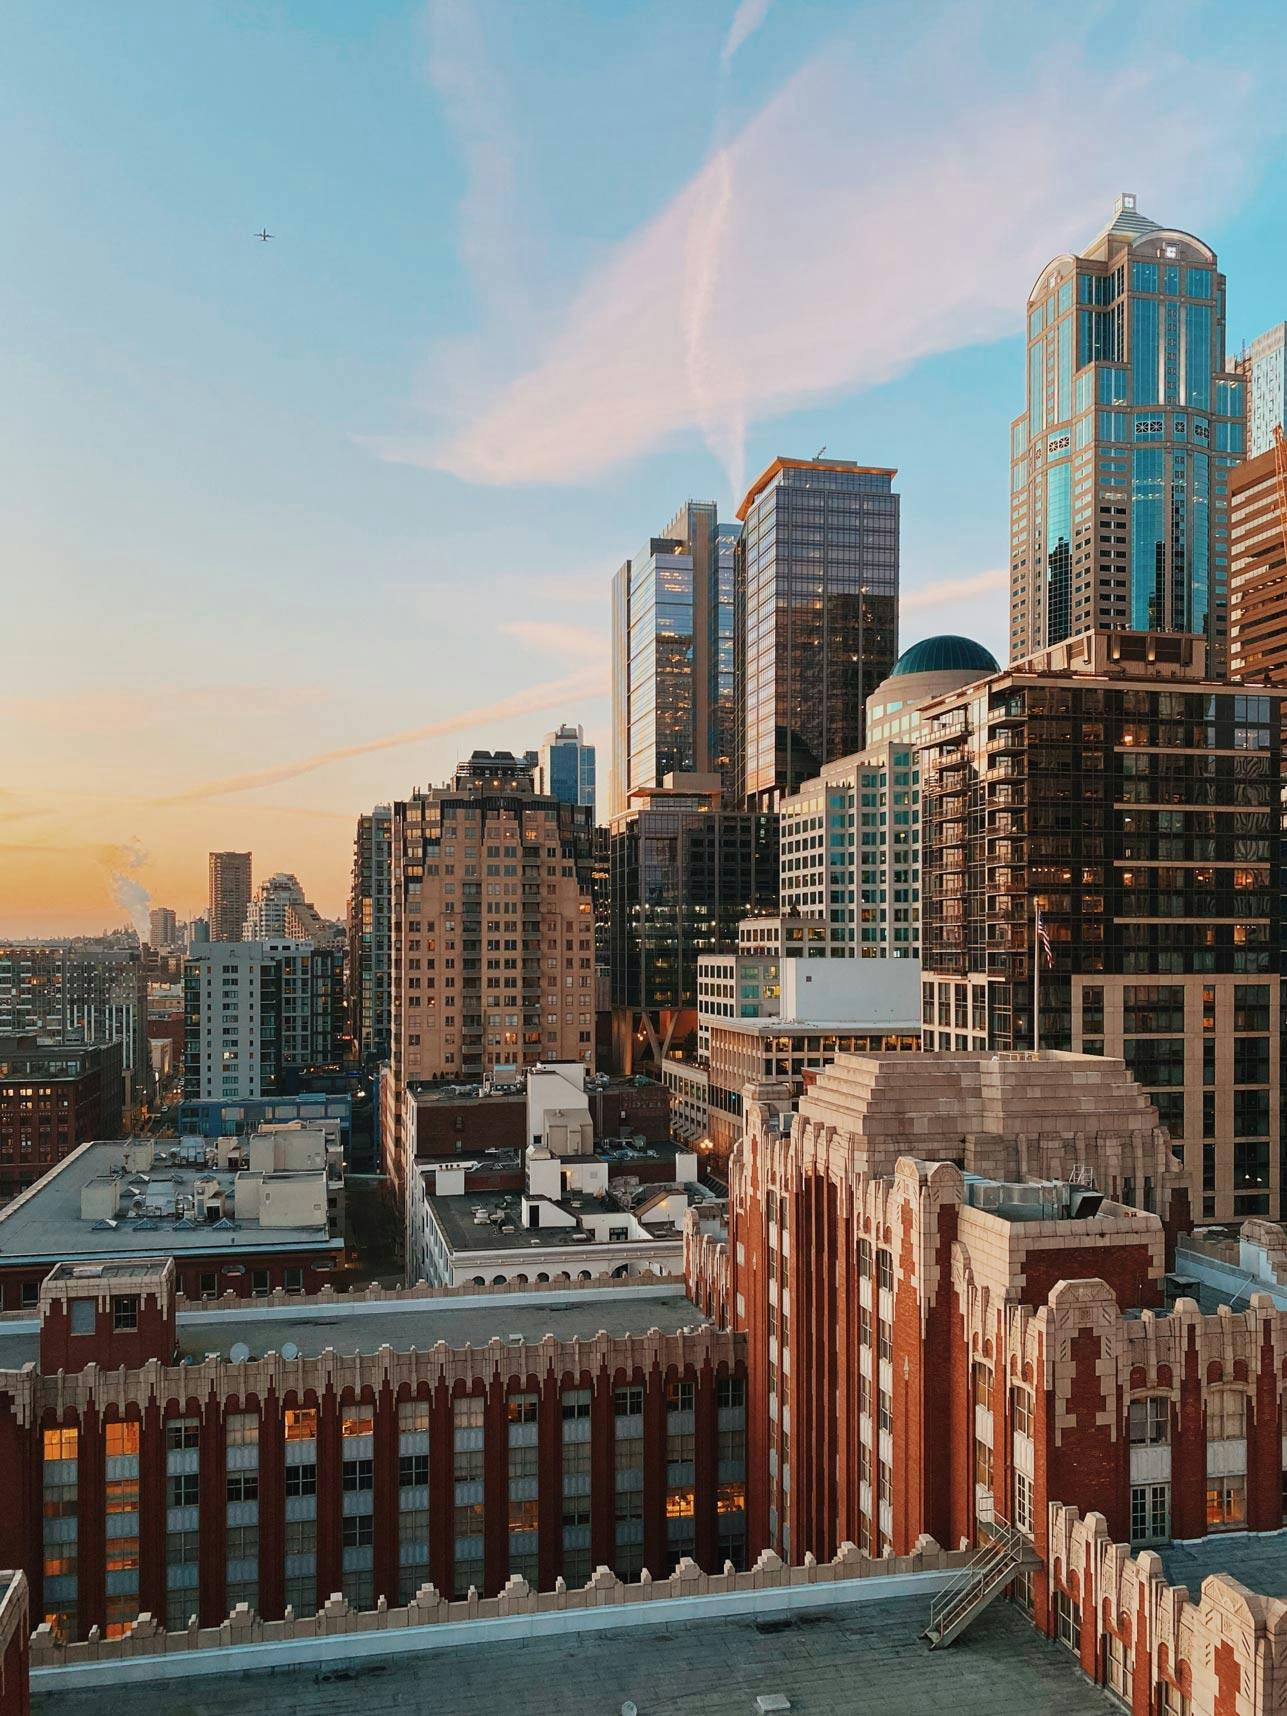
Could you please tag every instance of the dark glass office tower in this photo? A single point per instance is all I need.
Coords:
(816, 618)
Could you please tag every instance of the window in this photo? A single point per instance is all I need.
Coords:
(301, 1423)
(121, 1439)
(243, 1486)
(679, 1396)
(61, 1444)
(182, 1433)
(1150, 1421)
(1021, 1411)
(125, 1313)
(885, 1270)
(1119, 1667)
(521, 1408)
(184, 1490)
(1227, 1504)
(1023, 1507)
(301, 1480)
(358, 1421)
(1150, 1513)
(1170, 1700)
(1068, 1621)
(1226, 1415)
(413, 1470)
(576, 1403)
(359, 1475)
(242, 1429)
(359, 1530)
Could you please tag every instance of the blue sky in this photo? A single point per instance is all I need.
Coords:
(541, 272)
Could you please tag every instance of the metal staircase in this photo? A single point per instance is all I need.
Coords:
(1006, 1553)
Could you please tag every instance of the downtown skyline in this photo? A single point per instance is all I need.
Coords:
(415, 422)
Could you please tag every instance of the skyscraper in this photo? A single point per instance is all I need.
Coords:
(1110, 785)
(670, 609)
(1264, 365)
(163, 927)
(229, 894)
(567, 767)
(816, 617)
(492, 934)
(1120, 463)
(256, 1013)
(367, 971)
(86, 990)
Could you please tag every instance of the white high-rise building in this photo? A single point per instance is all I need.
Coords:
(253, 1008)
(1265, 366)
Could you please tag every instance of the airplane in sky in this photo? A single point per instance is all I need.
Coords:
(264, 234)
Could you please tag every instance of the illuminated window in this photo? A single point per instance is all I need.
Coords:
(301, 1423)
(358, 1421)
(61, 1444)
(121, 1439)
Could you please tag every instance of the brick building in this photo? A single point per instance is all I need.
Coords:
(1257, 572)
(451, 1120)
(181, 1460)
(53, 1098)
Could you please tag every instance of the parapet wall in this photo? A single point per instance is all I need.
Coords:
(516, 1602)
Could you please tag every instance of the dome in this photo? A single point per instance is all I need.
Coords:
(945, 654)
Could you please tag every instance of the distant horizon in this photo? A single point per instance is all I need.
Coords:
(297, 522)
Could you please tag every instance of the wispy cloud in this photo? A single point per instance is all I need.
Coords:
(108, 708)
(786, 271)
(953, 590)
(559, 693)
(746, 21)
(559, 638)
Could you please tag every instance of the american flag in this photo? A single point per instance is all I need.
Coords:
(1043, 936)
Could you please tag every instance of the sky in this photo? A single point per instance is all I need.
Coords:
(286, 527)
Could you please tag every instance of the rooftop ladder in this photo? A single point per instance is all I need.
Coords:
(1006, 1553)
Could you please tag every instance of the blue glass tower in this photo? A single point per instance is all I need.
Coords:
(1120, 463)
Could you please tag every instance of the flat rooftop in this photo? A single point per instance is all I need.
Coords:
(44, 1223)
(1256, 1559)
(404, 1323)
(516, 1090)
(776, 1027)
(828, 1662)
(459, 1219)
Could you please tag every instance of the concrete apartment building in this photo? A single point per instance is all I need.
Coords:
(1258, 571)
(851, 838)
(1264, 365)
(230, 886)
(1112, 785)
(1120, 462)
(256, 1013)
(492, 936)
(53, 1097)
(815, 618)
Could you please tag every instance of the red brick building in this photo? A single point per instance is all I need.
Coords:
(183, 1460)
(53, 1096)
(445, 1120)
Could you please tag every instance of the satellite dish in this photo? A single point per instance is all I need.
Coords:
(240, 1352)
(289, 1350)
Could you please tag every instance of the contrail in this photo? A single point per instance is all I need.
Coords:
(589, 682)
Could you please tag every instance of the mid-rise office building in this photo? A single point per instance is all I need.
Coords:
(1258, 570)
(53, 1096)
(567, 769)
(85, 990)
(1264, 366)
(851, 838)
(369, 965)
(1120, 461)
(230, 877)
(492, 934)
(683, 874)
(815, 620)
(1110, 785)
(257, 1013)
(671, 620)
(163, 927)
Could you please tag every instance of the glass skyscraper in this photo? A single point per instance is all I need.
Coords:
(567, 766)
(671, 633)
(1264, 363)
(816, 618)
(1120, 462)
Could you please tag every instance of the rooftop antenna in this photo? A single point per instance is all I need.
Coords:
(818, 454)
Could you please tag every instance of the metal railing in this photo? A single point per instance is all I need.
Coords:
(995, 1564)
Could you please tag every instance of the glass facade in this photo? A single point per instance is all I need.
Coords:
(671, 613)
(816, 619)
(1118, 519)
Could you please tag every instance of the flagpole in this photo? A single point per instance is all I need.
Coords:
(1036, 977)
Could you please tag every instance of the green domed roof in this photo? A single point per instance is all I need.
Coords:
(945, 654)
